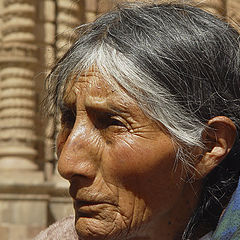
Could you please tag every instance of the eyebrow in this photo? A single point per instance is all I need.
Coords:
(118, 109)
(105, 106)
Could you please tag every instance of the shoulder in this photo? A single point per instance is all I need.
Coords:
(61, 230)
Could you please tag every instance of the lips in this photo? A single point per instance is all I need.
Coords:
(90, 196)
(83, 204)
(90, 200)
(88, 208)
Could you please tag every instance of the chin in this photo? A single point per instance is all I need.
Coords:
(92, 228)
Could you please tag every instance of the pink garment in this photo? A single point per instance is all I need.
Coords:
(61, 230)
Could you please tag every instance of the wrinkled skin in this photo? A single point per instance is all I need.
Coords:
(120, 165)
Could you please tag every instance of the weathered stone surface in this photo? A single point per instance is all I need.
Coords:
(91, 5)
(104, 5)
(59, 207)
(14, 231)
(28, 204)
(217, 7)
(30, 210)
(90, 16)
(17, 139)
(46, 10)
(68, 18)
(233, 12)
(4, 231)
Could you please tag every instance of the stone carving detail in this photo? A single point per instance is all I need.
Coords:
(49, 148)
(46, 36)
(223, 8)
(1, 8)
(68, 18)
(18, 58)
(217, 7)
(233, 10)
(91, 10)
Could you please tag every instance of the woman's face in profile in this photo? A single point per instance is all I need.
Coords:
(120, 164)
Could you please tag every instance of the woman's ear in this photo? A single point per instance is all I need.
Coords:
(219, 139)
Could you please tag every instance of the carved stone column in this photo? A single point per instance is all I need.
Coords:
(1, 10)
(46, 36)
(69, 16)
(217, 7)
(1, 24)
(18, 60)
(91, 10)
(233, 12)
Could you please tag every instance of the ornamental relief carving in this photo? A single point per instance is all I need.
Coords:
(18, 59)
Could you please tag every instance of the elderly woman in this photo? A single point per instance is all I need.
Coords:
(150, 115)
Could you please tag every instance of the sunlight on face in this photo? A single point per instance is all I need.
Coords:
(119, 164)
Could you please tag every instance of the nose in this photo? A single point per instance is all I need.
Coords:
(77, 155)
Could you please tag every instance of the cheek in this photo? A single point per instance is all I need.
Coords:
(146, 169)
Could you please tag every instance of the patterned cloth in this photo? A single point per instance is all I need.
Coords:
(229, 224)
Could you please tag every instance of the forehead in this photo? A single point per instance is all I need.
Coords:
(94, 87)
(92, 82)
(92, 90)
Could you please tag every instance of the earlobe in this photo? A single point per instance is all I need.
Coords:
(219, 138)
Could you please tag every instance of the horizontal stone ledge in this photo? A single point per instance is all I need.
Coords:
(12, 59)
(24, 197)
(34, 191)
(23, 188)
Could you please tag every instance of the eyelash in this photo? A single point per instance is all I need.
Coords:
(101, 120)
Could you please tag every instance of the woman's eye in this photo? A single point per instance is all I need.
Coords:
(116, 122)
(103, 120)
(111, 121)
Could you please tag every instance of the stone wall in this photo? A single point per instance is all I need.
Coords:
(33, 35)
